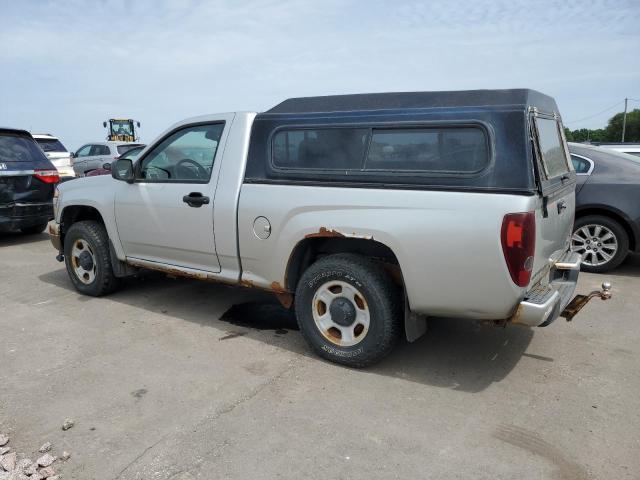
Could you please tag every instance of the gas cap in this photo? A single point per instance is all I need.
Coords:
(261, 228)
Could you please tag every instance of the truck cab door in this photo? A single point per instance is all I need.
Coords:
(166, 215)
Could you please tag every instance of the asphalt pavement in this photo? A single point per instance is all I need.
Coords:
(180, 379)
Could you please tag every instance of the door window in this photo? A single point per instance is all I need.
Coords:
(99, 150)
(186, 155)
(84, 151)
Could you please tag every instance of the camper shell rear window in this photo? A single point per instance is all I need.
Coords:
(551, 147)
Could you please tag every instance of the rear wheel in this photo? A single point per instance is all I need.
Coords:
(34, 229)
(349, 310)
(87, 258)
(602, 242)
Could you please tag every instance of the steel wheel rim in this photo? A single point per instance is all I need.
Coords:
(338, 334)
(596, 243)
(79, 251)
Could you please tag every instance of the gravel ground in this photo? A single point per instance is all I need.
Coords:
(162, 384)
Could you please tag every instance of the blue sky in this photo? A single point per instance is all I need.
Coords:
(67, 65)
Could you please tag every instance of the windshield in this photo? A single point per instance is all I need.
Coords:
(122, 149)
(121, 127)
(133, 153)
(18, 149)
(51, 145)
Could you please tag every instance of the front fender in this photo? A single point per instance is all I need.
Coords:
(97, 193)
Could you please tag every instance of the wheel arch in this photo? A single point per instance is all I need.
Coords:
(77, 213)
(309, 249)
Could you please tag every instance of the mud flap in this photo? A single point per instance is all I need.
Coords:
(415, 325)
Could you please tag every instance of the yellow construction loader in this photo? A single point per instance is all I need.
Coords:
(121, 130)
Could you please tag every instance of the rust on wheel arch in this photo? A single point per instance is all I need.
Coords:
(324, 232)
(282, 294)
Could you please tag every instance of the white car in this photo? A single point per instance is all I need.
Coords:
(57, 154)
(92, 156)
(630, 148)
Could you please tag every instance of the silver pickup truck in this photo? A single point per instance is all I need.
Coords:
(367, 213)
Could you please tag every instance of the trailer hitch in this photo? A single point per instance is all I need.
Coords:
(579, 301)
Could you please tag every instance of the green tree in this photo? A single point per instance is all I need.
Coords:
(612, 132)
(632, 131)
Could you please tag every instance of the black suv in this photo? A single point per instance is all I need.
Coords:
(27, 183)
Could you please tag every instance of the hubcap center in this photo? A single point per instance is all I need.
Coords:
(342, 311)
(86, 261)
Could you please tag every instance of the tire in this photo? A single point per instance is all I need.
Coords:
(608, 232)
(367, 295)
(94, 278)
(34, 229)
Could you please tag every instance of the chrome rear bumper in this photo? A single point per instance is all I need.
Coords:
(545, 303)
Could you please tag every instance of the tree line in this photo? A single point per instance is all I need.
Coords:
(612, 132)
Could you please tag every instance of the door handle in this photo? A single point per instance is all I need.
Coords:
(562, 205)
(195, 199)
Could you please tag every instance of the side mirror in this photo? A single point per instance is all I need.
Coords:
(73, 154)
(123, 170)
(138, 124)
(104, 124)
(106, 166)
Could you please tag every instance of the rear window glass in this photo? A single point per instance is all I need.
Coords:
(551, 147)
(51, 145)
(455, 150)
(328, 149)
(580, 165)
(18, 149)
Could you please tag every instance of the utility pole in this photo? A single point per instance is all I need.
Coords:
(624, 118)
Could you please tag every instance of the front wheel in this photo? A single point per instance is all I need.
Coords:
(87, 258)
(349, 310)
(602, 242)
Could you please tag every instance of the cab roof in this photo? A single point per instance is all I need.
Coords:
(517, 98)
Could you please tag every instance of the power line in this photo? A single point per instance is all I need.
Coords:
(596, 114)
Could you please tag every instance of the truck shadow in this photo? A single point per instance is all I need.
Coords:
(456, 354)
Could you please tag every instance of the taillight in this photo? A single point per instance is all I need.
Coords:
(47, 176)
(518, 245)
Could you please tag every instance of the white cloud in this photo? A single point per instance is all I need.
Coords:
(67, 65)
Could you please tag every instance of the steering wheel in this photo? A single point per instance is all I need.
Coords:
(186, 164)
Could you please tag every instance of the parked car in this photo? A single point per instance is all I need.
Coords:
(27, 182)
(607, 224)
(629, 148)
(367, 212)
(131, 154)
(94, 155)
(57, 154)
